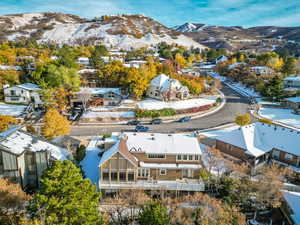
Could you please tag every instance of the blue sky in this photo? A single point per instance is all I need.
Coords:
(173, 12)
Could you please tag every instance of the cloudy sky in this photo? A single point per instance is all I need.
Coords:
(173, 12)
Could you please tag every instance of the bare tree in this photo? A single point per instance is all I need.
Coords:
(85, 96)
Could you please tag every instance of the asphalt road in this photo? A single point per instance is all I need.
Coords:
(235, 104)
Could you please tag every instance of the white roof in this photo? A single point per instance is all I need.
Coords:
(258, 138)
(209, 66)
(164, 82)
(159, 80)
(156, 143)
(29, 86)
(95, 91)
(87, 71)
(294, 99)
(292, 78)
(17, 141)
(4, 67)
(293, 200)
(260, 67)
(83, 59)
(231, 66)
(170, 165)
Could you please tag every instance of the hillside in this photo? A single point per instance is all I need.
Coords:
(237, 37)
(127, 31)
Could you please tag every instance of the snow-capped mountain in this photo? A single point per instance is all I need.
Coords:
(126, 31)
(190, 27)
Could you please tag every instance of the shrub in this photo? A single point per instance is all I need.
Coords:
(154, 113)
(80, 153)
(243, 119)
(266, 121)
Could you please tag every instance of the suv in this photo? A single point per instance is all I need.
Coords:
(156, 121)
(141, 129)
(184, 119)
(134, 122)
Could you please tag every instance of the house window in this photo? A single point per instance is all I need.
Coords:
(130, 176)
(190, 157)
(105, 176)
(196, 157)
(122, 176)
(178, 157)
(185, 157)
(12, 92)
(187, 173)
(156, 156)
(163, 172)
(275, 154)
(114, 176)
(111, 95)
(143, 172)
(288, 157)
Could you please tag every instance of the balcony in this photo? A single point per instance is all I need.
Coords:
(177, 185)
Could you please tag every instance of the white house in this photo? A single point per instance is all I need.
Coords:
(261, 70)
(164, 88)
(221, 59)
(23, 94)
(292, 83)
(83, 61)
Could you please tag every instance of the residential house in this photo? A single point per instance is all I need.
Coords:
(261, 70)
(257, 143)
(292, 83)
(164, 88)
(24, 157)
(151, 161)
(293, 102)
(206, 68)
(23, 94)
(98, 96)
(238, 64)
(135, 63)
(85, 61)
(221, 59)
(291, 207)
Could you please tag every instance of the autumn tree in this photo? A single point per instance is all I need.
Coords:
(180, 60)
(65, 197)
(243, 119)
(55, 124)
(12, 202)
(6, 121)
(56, 98)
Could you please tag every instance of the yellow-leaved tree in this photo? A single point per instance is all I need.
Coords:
(5, 121)
(243, 119)
(55, 124)
(180, 60)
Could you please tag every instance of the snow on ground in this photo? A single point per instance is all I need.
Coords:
(284, 116)
(91, 161)
(97, 114)
(152, 104)
(241, 89)
(217, 76)
(11, 110)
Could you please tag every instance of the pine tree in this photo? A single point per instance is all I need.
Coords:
(66, 198)
(154, 213)
(55, 124)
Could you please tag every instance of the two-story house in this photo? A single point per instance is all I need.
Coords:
(98, 96)
(164, 88)
(292, 83)
(23, 94)
(257, 143)
(151, 161)
(23, 156)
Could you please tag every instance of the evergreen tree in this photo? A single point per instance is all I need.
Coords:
(65, 197)
(154, 213)
(95, 60)
(80, 153)
(273, 88)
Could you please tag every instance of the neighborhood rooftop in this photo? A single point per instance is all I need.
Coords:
(29, 86)
(97, 91)
(157, 143)
(259, 138)
(17, 141)
(293, 200)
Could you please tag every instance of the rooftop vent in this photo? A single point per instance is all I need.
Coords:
(152, 134)
(152, 138)
(134, 134)
(170, 135)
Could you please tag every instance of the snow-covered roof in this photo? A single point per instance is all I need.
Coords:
(293, 200)
(4, 67)
(164, 82)
(209, 66)
(232, 66)
(17, 141)
(83, 59)
(29, 86)
(97, 91)
(261, 68)
(159, 80)
(258, 138)
(294, 99)
(153, 143)
(87, 71)
(292, 78)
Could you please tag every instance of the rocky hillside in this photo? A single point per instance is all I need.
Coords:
(128, 31)
(237, 37)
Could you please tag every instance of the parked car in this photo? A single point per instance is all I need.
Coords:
(141, 129)
(156, 121)
(184, 119)
(134, 122)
